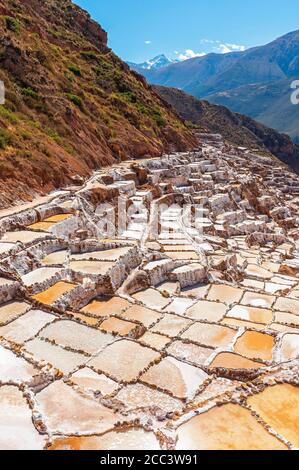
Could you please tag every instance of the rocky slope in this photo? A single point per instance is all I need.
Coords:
(71, 104)
(236, 128)
(255, 82)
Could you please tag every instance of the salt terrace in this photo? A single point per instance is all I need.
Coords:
(185, 337)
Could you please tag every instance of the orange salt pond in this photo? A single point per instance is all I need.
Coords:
(255, 345)
(58, 218)
(252, 314)
(233, 361)
(213, 336)
(42, 226)
(48, 223)
(106, 307)
(130, 439)
(278, 406)
(229, 427)
(51, 295)
(154, 340)
(118, 327)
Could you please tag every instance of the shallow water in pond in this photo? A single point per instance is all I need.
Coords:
(233, 361)
(58, 218)
(52, 294)
(279, 407)
(131, 439)
(228, 427)
(255, 345)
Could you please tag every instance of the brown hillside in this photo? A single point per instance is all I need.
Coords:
(71, 104)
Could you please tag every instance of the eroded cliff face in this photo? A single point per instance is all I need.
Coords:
(71, 105)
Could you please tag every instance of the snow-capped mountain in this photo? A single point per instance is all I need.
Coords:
(156, 63)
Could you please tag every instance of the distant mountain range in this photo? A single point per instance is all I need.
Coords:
(255, 82)
(156, 63)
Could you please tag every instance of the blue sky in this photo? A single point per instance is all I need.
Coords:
(140, 29)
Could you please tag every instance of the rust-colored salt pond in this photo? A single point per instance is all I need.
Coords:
(130, 439)
(255, 345)
(58, 218)
(119, 327)
(48, 223)
(233, 361)
(278, 406)
(106, 307)
(51, 295)
(252, 314)
(229, 427)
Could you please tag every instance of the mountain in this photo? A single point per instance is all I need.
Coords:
(235, 128)
(156, 63)
(255, 82)
(187, 73)
(72, 105)
(269, 103)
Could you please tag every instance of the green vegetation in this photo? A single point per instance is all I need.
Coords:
(8, 115)
(75, 70)
(90, 55)
(29, 92)
(4, 139)
(75, 99)
(12, 24)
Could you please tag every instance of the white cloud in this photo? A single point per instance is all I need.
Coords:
(225, 48)
(209, 41)
(147, 42)
(212, 46)
(189, 54)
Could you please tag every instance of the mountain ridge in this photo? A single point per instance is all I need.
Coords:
(158, 62)
(72, 106)
(229, 80)
(238, 129)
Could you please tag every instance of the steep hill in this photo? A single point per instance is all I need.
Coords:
(236, 128)
(71, 104)
(255, 82)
